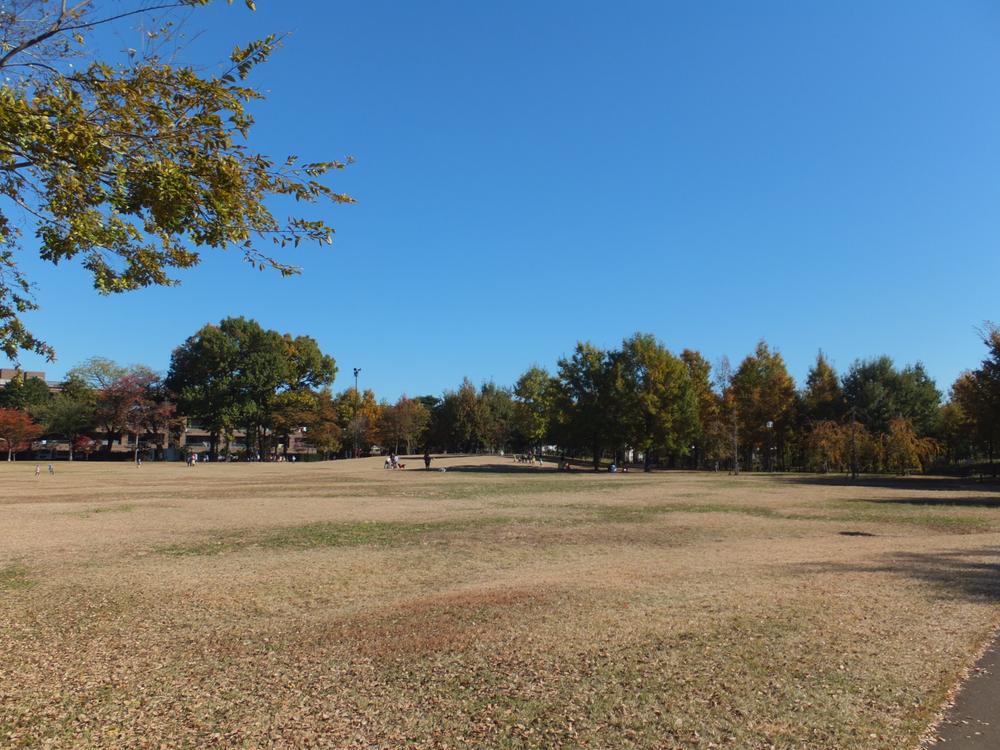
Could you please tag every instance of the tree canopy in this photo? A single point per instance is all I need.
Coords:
(882, 393)
(238, 375)
(133, 166)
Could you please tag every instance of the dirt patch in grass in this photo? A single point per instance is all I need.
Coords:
(441, 624)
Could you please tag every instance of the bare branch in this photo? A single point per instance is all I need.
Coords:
(58, 28)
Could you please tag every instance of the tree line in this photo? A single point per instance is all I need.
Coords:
(638, 402)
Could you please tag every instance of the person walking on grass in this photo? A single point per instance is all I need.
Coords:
(38, 471)
(52, 472)
(427, 461)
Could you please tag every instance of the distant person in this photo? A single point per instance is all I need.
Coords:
(427, 461)
(387, 464)
(38, 470)
(613, 468)
(52, 471)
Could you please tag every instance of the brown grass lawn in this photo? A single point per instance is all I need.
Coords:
(339, 605)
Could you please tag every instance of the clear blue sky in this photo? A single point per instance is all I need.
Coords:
(823, 175)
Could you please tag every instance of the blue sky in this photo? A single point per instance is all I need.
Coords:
(822, 175)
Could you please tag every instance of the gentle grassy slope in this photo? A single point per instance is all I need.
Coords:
(341, 606)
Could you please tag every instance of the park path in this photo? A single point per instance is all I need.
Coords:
(973, 722)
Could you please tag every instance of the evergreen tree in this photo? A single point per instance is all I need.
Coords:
(823, 399)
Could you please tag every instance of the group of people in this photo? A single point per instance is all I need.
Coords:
(38, 470)
(195, 458)
(392, 462)
(613, 467)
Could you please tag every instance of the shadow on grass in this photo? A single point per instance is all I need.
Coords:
(917, 482)
(980, 501)
(501, 469)
(972, 574)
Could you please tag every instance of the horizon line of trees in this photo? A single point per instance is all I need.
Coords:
(638, 402)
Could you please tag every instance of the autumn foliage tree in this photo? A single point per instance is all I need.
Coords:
(977, 393)
(905, 450)
(403, 423)
(358, 415)
(17, 430)
(323, 431)
(122, 406)
(765, 399)
(823, 399)
(709, 433)
(657, 405)
(133, 166)
(826, 444)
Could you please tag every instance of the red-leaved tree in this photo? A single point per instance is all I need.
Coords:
(83, 444)
(16, 431)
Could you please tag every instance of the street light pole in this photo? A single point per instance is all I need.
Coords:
(357, 406)
(770, 442)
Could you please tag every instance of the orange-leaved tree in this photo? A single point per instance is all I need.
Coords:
(905, 450)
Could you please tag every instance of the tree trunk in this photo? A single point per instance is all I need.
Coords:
(736, 450)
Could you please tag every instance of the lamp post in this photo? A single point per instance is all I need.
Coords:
(357, 406)
(770, 442)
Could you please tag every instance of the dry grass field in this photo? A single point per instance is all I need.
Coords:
(339, 605)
